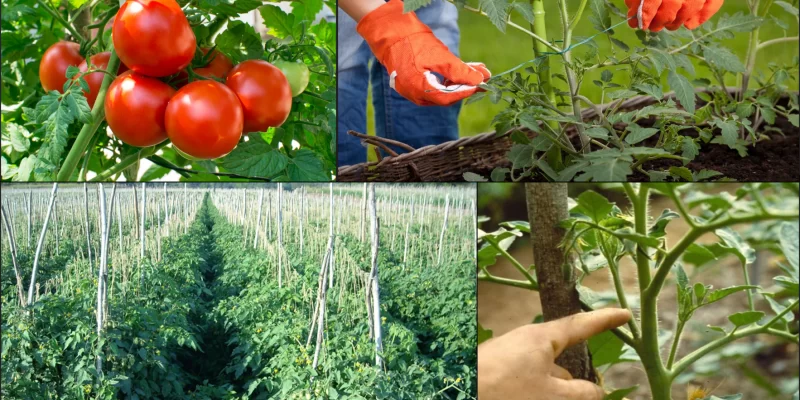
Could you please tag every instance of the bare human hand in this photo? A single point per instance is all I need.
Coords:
(520, 365)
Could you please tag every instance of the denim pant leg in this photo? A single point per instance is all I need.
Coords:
(353, 82)
(399, 119)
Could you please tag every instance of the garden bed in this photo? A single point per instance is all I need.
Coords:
(776, 157)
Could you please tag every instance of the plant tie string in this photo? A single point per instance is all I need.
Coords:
(570, 48)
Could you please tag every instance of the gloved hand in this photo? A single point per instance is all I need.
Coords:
(411, 54)
(657, 14)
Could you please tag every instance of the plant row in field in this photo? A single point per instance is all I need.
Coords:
(208, 320)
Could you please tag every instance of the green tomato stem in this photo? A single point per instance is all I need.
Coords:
(74, 32)
(88, 131)
(736, 334)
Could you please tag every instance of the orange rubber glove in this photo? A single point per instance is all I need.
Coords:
(658, 14)
(411, 54)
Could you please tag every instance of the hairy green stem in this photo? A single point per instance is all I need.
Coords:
(672, 256)
(768, 43)
(486, 276)
(586, 146)
(673, 351)
(619, 287)
(539, 28)
(514, 262)
(88, 131)
(61, 20)
(649, 351)
(752, 52)
(736, 334)
(610, 128)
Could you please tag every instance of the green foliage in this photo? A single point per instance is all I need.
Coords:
(209, 321)
(600, 235)
(660, 65)
(41, 129)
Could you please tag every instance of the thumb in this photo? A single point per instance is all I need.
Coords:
(578, 389)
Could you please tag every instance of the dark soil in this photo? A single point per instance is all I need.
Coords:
(774, 160)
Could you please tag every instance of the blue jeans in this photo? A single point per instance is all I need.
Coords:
(395, 117)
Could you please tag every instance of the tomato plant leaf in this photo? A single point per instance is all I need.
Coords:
(305, 166)
(255, 158)
(497, 11)
(721, 57)
(600, 17)
(620, 394)
(684, 91)
(606, 349)
(638, 134)
(659, 226)
(738, 246)
(745, 318)
(240, 42)
(413, 5)
(779, 308)
(719, 294)
(651, 90)
(473, 177)
(597, 133)
(484, 334)
(525, 9)
(522, 226)
(789, 242)
(283, 24)
(593, 205)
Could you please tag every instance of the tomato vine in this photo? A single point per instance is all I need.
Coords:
(59, 136)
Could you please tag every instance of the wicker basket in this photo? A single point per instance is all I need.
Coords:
(447, 161)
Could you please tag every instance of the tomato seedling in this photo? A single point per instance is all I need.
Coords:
(720, 101)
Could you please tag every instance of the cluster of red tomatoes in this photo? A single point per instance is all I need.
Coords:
(204, 118)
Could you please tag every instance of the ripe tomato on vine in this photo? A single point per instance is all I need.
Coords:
(265, 94)
(71, 86)
(135, 105)
(204, 119)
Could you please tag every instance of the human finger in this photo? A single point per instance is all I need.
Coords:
(560, 373)
(576, 328)
(577, 389)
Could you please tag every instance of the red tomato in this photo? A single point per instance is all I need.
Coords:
(264, 92)
(204, 120)
(135, 106)
(153, 37)
(219, 66)
(55, 61)
(95, 79)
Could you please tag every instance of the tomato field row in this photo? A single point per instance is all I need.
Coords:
(218, 300)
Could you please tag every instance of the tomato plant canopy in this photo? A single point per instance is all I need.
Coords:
(53, 117)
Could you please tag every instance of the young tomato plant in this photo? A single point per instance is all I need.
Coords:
(599, 235)
(730, 106)
(64, 119)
